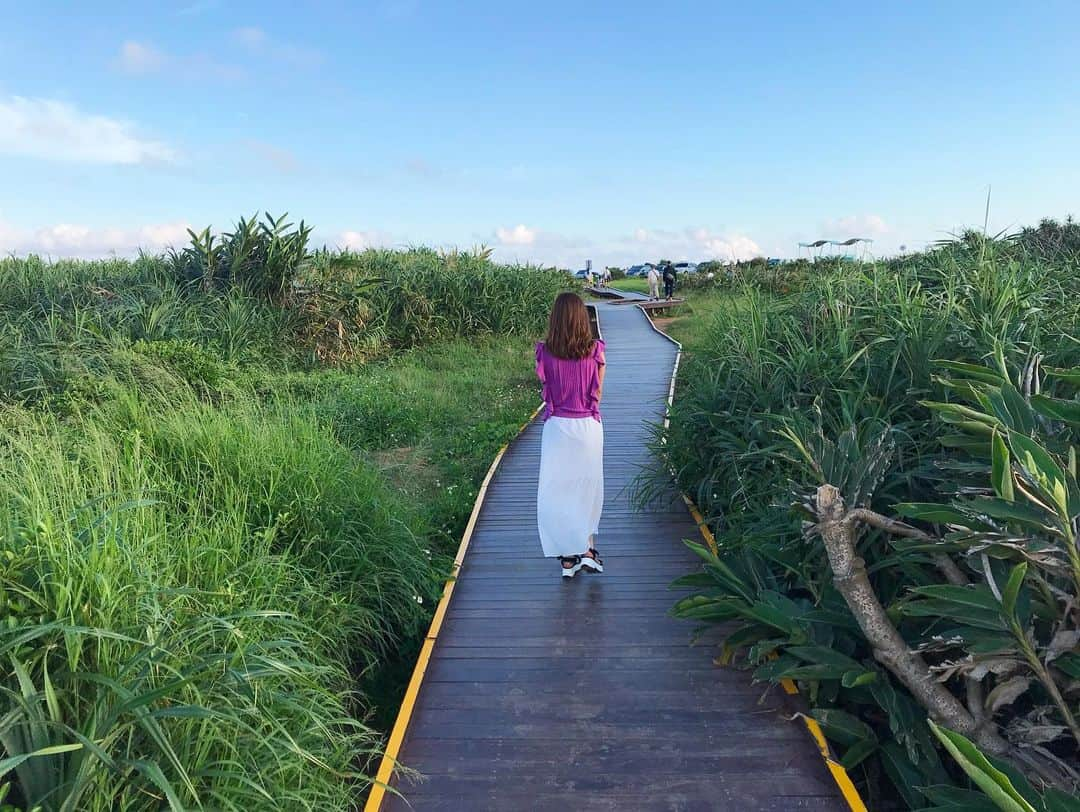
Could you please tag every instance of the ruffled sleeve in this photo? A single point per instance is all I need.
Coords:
(594, 382)
(540, 361)
(544, 396)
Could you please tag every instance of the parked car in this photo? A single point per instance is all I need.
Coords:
(639, 270)
(582, 274)
(685, 267)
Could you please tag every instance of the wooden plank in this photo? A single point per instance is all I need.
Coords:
(542, 693)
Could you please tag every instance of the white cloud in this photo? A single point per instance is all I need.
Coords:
(143, 59)
(362, 240)
(524, 244)
(256, 41)
(726, 247)
(855, 225)
(74, 240)
(693, 244)
(518, 235)
(56, 130)
(139, 58)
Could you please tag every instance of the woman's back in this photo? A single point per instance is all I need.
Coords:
(571, 386)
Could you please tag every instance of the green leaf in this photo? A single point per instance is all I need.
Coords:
(858, 753)
(1012, 590)
(955, 799)
(1069, 375)
(1019, 410)
(982, 639)
(774, 670)
(976, 371)
(955, 413)
(1001, 468)
(1067, 411)
(744, 636)
(9, 764)
(1069, 663)
(695, 580)
(987, 619)
(816, 671)
(932, 512)
(700, 607)
(988, 778)
(771, 616)
(853, 679)
(1042, 468)
(1009, 511)
(825, 656)
(155, 774)
(1057, 801)
(842, 727)
(905, 776)
(974, 597)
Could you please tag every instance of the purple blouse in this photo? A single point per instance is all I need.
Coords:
(571, 386)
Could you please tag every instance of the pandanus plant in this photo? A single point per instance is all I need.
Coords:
(997, 657)
(966, 623)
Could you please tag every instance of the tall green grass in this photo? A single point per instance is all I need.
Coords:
(185, 589)
(227, 513)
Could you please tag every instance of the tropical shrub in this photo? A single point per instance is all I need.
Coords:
(422, 295)
(830, 398)
(264, 258)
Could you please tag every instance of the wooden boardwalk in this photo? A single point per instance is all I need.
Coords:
(542, 694)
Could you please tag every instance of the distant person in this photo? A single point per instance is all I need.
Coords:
(606, 277)
(589, 277)
(669, 281)
(570, 495)
(654, 282)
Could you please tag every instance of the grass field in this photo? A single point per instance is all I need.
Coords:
(229, 506)
(635, 284)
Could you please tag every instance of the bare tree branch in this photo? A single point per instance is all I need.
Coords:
(839, 529)
(953, 574)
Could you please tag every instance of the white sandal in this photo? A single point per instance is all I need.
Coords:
(591, 561)
(574, 567)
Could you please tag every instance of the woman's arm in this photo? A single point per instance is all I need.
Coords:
(600, 373)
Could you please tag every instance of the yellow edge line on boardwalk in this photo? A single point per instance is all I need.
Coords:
(839, 774)
(401, 725)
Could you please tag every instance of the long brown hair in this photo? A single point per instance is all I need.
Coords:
(569, 334)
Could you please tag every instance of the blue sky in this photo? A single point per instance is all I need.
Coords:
(554, 132)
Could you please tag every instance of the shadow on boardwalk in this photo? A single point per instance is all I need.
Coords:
(545, 695)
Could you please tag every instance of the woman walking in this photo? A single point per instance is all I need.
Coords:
(570, 365)
(654, 282)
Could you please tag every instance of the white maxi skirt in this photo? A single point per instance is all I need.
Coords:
(571, 491)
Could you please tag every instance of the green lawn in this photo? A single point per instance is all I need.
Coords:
(635, 284)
